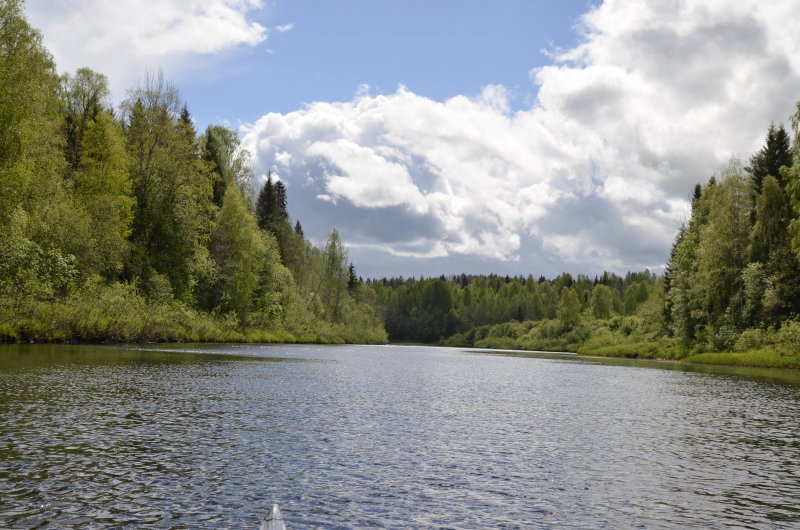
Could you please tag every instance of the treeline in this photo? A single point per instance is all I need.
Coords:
(434, 309)
(733, 277)
(127, 224)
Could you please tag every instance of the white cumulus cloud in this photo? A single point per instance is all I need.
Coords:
(465, 165)
(594, 175)
(123, 38)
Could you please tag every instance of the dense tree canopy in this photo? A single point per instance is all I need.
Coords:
(129, 225)
(732, 267)
(431, 309)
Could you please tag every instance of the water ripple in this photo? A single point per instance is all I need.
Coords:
(386, 438)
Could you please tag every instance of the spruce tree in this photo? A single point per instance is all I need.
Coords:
(352, 280)
(278, 211)
(775, 154)
(669, 273)
(266, 198)
(271, 213)
(185, 117)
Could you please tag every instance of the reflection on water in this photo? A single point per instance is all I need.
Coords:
(396, 437)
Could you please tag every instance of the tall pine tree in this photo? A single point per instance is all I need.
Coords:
(775, 154)
(271, 205)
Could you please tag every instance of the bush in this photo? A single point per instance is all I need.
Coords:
(787, 338)
(753, 338)
(500, 343)
(661, 349)
(762, 358)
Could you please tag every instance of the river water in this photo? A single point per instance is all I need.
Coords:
(387, 437)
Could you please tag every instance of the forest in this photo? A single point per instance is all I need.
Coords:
(128, 225)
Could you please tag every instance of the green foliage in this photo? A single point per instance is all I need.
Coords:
(661, 349)
(229, 163)
(734, 267)
(333, 276)
(721, 251)
(352, 279)
(239, 251)
(784, 339)
(117, 312)
(271, 205)
(755, 284)
(171, 184)
(135, 229)
(28, 271)
(83, 97)
(769, 160)
(272, 215)
(569, 308)
(31, 154)
(103, 190)
(771, 216)
(427, 310)
(762, 358)
(603, 301)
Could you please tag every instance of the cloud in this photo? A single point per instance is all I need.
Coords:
(284, 27)
(368, 179)
(124, 38)
(595, 174)
(460, 164)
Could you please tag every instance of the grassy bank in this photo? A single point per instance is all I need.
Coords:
(630, 338)
(766, 358)
(119, 313)
(761, 358)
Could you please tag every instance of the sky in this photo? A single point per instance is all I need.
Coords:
(514, 137)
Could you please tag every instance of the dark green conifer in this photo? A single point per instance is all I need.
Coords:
(775, 154)
(271, 210)
(264, 203)
(352, 280)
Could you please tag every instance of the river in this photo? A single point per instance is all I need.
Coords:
(207, 436)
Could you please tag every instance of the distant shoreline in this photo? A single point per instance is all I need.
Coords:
(767, 359)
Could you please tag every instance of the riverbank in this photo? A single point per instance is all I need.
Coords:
(763, 373)
(761, 358)
(194, 329)
(632, 338)
(767, 357)
(120, 314)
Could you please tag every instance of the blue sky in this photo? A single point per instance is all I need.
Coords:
(439, 137)
(439, 49)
